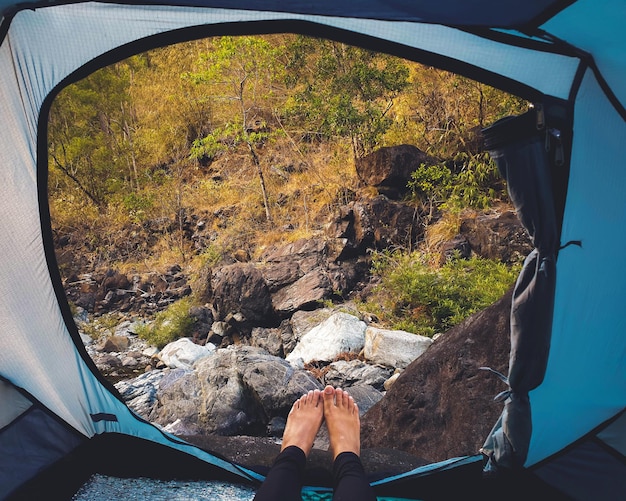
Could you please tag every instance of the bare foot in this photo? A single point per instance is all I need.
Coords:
(342, 420)
(304, 421)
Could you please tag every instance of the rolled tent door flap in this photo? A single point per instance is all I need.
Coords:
(525, 150)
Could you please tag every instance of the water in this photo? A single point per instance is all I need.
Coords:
(103, 488)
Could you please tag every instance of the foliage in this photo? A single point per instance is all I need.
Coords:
(170, 324)
(90, 136)
(443, 113)
(342, 91)
(239, 72)
(473, 181)
(196, 127)
(417, 297)
(104, 325)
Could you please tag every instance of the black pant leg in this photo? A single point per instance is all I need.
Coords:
(350, 481)
(284, 480)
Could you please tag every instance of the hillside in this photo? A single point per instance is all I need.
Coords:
(215, 151)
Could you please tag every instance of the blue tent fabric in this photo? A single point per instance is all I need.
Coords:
(567, 381)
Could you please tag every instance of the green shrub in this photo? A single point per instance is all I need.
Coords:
(417, 297)
(169, 324)
(475, 183)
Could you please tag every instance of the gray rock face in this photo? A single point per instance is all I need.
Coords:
(499, 236)
(240, 288)
(273, 381)
(375, 223)
(389, 169)
(365, 396)
(140, 393)
(312, 287)
(344, 374)
(177, 399)
(235, 391)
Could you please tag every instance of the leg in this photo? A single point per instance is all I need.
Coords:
(285, 478)
(344, 429)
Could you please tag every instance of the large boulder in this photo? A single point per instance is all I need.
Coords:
(394, 348)
(303, 293)
(284, 264)
(184, 353)
(497, 235)
(235, 391)
(274, 382)
(240, 289)
(140, 393)
(340, 333)
(376, 223)
(389, 169)
(178, 395)
(442, 405)
(347, 373)
(303, 273)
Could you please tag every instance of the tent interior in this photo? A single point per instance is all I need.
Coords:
(61, 421)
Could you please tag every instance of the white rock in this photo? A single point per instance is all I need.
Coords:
(339, 333)
(389, 383)
(150, 351)
(183, 353)
(394, 348)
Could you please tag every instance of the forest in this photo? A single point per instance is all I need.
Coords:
(265, 132)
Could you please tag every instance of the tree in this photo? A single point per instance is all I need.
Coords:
(239, 74)
(343, 91)
(90, 135)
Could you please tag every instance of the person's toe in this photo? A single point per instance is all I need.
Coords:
(329, 397)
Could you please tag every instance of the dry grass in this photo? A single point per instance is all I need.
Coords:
(442, 231)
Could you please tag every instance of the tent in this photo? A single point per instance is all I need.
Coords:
(563, 419)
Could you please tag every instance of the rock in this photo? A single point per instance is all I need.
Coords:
(221, 328)
(140, 393)
(226, 406)
(129, 361)
(340, 333)
(498, 236)
(86, 339)
(365, 396)
(442, 405)
(183, 353)
(279, 275)
(276, 426)
(376, 223)
(178, 396)
(271, 340)
(389, 383)
(303, 293)
(150, 351)
(240, 288)
(389, 169)
(113, 280)
(115, 344)
(237, 390)
(344, 374)
(394, 348)
(306, 254)
(303, 321)
(202, 322)
(273, 381)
